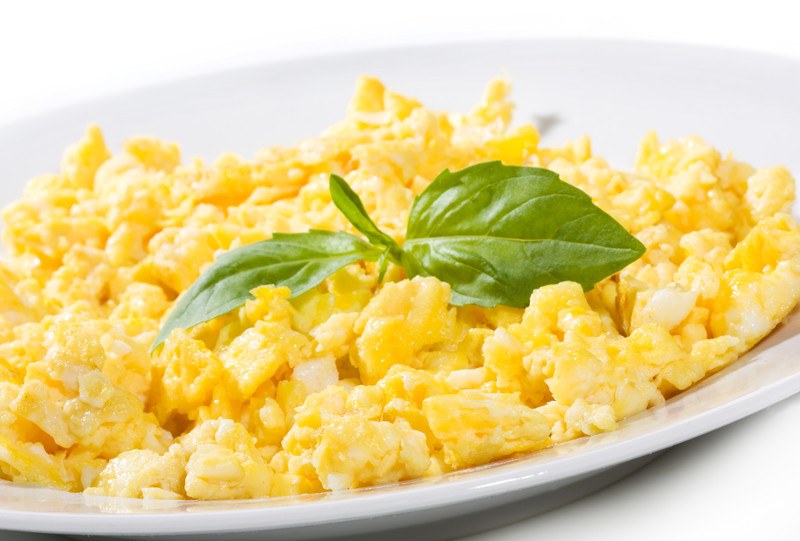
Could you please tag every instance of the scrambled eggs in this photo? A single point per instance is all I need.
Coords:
(356, 383)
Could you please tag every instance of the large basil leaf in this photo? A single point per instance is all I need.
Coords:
(496, 232)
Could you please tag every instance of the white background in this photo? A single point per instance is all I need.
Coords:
(737, 483)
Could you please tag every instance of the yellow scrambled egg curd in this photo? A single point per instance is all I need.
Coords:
(357, 383)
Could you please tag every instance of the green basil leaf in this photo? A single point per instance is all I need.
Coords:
(496, 232)
(298, 261)
(348, 202)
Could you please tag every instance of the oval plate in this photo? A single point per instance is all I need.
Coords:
(614, 91)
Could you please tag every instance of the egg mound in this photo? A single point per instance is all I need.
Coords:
(357, 383)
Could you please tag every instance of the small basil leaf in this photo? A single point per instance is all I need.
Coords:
(383, 265)
(495, 233)
(348, 202)
(298, 261)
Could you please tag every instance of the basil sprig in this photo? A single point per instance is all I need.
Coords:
(493, 232)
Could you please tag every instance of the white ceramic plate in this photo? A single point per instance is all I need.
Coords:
(615, 91)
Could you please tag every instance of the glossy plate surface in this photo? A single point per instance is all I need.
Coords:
(614, 91)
